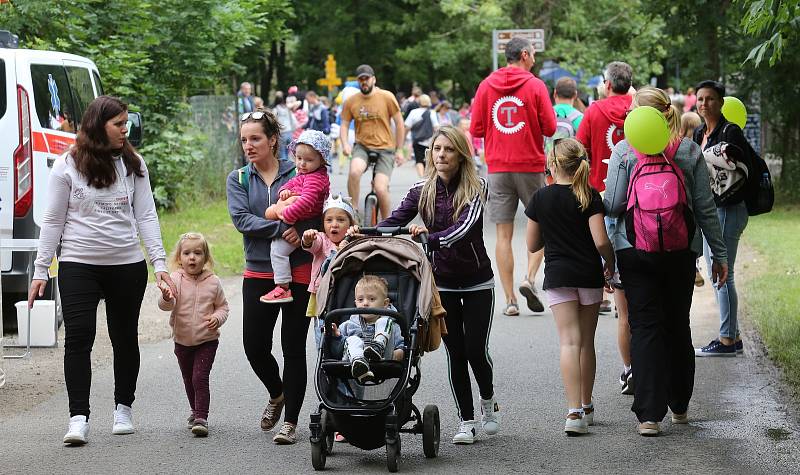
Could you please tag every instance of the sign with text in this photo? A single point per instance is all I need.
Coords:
(536, 37)
(500, 39)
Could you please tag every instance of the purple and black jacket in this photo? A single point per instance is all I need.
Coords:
(458, 255)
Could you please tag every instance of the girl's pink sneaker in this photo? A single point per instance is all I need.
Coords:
(277, 295)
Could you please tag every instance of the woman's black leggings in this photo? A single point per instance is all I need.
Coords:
(81, 287)
(259, 321)
(469, 322)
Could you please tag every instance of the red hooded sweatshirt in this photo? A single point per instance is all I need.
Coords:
(513, 113)
(601, 129)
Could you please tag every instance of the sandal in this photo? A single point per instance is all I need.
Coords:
(512, 309)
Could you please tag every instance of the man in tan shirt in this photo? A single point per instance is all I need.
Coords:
(372, 110)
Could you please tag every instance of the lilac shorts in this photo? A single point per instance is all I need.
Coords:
(568, 294)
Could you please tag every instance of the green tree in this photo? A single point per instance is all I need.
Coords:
(155, 54)
(778, 20)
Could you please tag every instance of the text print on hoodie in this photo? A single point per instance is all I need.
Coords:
(601, 129)
(513, 113)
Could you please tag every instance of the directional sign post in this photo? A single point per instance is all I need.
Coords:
(330, 80)
(500, 39)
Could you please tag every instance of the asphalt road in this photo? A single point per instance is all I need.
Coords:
(738, 417)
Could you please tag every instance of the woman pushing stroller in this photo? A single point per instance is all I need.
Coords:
(450, 201)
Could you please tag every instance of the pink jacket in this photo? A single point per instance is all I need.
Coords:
(198, 297)
(312, 188)
(321, 248)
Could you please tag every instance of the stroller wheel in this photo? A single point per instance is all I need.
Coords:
(430, 431)
(327, 431)
(319, 455)
(393, 455)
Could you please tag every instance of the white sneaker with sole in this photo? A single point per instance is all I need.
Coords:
(490, 416)
(575, 424)
(465, 433)
(123, 420)
(78, 432)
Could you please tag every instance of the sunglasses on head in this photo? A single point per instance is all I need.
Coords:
(257, 115)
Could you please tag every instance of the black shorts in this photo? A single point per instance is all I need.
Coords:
(419, 152)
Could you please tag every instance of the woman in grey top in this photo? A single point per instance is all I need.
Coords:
(659, 286)
(99, 204)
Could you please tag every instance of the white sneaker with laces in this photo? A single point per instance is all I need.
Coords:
(490, 416)
(123, 420)
(78, 432)
(465, 433)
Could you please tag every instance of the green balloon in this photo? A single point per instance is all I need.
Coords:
(734, 110)
(647, 130)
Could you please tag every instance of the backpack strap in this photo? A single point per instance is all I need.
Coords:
(574, 115)
(244, 178)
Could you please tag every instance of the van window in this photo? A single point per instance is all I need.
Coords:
(98, 83)
(53, 98)
(81, 84)
(3, 92)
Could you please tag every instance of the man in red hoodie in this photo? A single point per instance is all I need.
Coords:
(601, 127)
(512, 113)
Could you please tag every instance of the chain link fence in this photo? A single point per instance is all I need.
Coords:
(215, 118)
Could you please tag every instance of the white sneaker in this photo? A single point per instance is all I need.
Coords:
(490, 416)
(465, 433)
(123, 420)
(78, 432)
(575, 424)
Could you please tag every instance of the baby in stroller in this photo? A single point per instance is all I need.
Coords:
(365, 338)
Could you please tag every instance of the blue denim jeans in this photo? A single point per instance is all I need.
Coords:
(732, 220)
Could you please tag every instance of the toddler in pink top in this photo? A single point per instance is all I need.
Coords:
(337, 217)
(198, 309)
(301, 198)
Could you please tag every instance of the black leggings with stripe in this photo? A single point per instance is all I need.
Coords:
(469, 322)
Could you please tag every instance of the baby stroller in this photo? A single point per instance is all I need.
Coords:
(374, 413)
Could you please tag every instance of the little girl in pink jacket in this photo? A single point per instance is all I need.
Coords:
(337, 217)
(198, 310)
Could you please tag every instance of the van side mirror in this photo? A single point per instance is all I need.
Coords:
(135, 129)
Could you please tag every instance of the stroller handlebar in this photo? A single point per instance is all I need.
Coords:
(394, 231)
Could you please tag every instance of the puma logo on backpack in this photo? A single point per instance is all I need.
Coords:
(658, 217)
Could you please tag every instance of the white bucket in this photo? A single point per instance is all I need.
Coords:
(43, 323)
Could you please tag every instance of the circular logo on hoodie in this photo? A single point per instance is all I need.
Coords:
(504, 111)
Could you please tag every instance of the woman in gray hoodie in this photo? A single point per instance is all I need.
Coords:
(659, 285)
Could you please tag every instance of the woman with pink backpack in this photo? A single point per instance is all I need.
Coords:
(661, 203)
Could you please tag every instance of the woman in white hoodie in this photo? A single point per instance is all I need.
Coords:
(100, 207)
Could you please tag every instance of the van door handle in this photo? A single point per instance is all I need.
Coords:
(50, 162)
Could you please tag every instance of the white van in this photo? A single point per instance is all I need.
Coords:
(43, 95)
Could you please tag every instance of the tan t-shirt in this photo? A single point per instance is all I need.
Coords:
(372, 115)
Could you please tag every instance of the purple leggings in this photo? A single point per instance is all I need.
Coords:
(195, 363)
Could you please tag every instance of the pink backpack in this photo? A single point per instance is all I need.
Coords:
(658, 217)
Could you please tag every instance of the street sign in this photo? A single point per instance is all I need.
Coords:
(500, 39)
(330, 80)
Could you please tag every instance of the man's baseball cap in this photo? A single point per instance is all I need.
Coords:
(364, 70)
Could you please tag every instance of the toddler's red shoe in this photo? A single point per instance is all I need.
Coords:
(277, 295)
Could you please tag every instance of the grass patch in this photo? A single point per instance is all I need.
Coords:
(214, 222)
(772, 293)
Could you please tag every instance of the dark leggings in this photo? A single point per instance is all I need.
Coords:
(82, 286)
(259, 321)
(469, 322)
(195, 363)
(659, 293)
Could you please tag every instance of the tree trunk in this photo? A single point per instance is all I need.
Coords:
(280, 68)
(269, 67)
